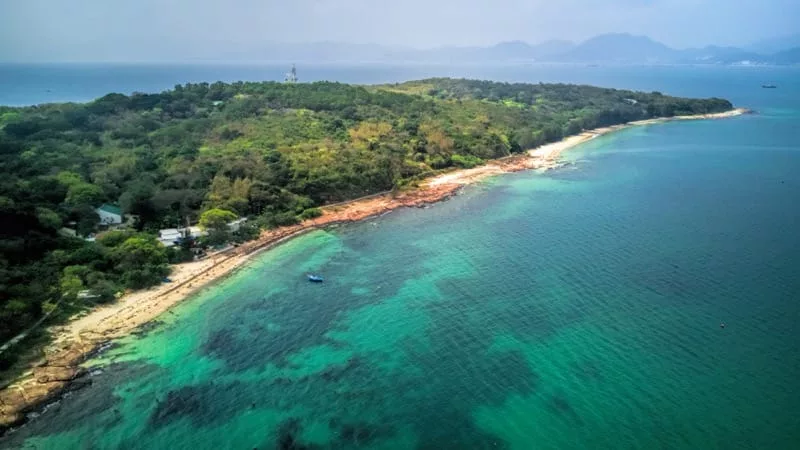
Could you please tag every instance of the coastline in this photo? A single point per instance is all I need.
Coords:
(77, 340)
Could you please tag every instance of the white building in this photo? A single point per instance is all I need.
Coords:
(109, 214)
(70, 232)
(236, 224)
(170, 236)
(195, 231)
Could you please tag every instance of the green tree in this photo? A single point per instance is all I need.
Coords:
(48, 218)
(105, 290)
(70, 285)
(69, 179)
(7, 204)
(138, 200)
(85, 217)
(216, 219)
(84, 194)
(220, 191)
(114, 238)
(139, 251)
(310, 213)
(141, 260)
(215, 222)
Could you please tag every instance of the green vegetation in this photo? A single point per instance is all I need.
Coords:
(215, 222)
(272, 152)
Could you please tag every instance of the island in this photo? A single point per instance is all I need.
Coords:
(116, 209)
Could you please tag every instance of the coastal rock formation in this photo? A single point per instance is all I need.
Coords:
(11, 402)
(43, 383)
(54, 373)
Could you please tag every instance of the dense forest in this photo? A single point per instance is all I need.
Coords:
(268, 151)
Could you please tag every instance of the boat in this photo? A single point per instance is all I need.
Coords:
(768, 86)
(315, 278)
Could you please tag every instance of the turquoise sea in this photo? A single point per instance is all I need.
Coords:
(574, 309)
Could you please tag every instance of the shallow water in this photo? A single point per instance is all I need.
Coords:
(580, 308)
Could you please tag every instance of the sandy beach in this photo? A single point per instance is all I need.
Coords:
(76, 340)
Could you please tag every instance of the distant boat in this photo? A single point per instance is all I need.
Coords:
(768, 86)
(315, 278)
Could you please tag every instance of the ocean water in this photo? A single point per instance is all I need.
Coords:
(28, 84)
(577, 308)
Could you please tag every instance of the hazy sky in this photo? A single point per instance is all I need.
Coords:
(88, 30)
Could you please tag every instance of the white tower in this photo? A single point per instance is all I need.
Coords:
(291, 76)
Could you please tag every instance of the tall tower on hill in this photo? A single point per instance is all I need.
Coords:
(291, 76)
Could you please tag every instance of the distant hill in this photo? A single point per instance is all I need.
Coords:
(787, 57)
(775, 45)
(619, 48)
(523, 50)
(616, 48)
(717, 55)
(512, 51)
(627, 48)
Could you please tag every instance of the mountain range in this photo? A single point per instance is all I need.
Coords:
(616, 48)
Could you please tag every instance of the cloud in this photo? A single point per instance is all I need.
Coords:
(158, 29)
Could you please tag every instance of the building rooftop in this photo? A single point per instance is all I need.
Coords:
(169, 233)
(111, 209)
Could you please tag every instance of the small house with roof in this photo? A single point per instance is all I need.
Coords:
(236, 224)
(195, 232)
(109, 214)
(172, 236)
(169, 236)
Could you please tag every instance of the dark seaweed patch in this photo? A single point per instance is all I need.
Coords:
(300, 325)
(287, 436)
(461, 373)
(203, 404)
(242, 341)
(336, 373)
(512, 372)
(466, 376)
(587, 371)
(456, 433)
(225, 345)
(219, 342)
(147, 327)
(359, 433)
(560, 405)
(184, 402)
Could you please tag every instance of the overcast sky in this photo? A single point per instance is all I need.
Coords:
(86, 30)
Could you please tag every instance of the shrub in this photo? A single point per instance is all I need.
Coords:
(466, 162)
(311, 213)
